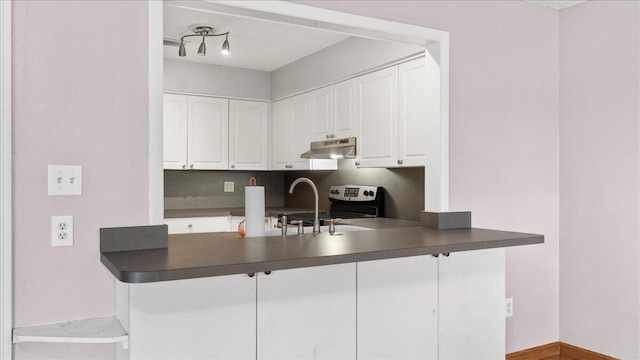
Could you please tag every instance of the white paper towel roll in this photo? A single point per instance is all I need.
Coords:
(254, 210)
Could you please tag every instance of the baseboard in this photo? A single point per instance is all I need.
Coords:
(557, 351)
(570, 352)
(548, 351)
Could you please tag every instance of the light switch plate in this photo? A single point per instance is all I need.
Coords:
(65, 180)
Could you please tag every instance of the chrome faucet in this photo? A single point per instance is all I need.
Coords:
(316, 221)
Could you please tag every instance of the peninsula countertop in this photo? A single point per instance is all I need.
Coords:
(225, 253)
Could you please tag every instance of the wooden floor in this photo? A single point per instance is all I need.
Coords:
(557, 351)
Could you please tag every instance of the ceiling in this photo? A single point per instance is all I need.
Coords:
(255, 44)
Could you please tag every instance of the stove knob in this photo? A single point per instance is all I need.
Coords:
(371, 193)
(366, 193)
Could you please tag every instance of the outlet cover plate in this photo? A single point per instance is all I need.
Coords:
(229, 186)
(61, 230)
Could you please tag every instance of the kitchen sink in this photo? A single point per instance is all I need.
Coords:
(293, 230)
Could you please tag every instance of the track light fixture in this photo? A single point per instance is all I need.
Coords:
(204, 31)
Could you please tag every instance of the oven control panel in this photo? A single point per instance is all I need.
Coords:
(354, 192)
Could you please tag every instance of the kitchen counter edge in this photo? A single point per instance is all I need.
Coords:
(216, 254)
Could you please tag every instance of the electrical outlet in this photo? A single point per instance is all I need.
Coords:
(508, 309)
(229, 186)
(65, 180)
(61, 230)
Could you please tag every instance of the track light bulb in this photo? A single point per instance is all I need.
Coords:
(225, 46)
(182, 51)
(202, 50)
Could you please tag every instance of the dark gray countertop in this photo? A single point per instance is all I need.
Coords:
(214, 254)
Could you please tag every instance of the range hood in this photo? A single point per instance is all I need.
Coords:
(332, 149)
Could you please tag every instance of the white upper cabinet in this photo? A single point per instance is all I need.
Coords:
(174, 136)
(195, 132)
(208, 140)
(412, 129)
(248, 135)
(208, 133)
(282, 136)
(345, 109)
(299, 131)
(391, 116)
(290, 133)
(333, 111)
(377, 118)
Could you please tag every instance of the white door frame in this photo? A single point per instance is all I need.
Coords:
(436, 43)
(6, 300)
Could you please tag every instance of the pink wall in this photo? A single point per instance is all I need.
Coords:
(79, 98)
(600, 177)
(504, 145)
(504, 136)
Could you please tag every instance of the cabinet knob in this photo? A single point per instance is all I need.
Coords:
(251, 274)
(267, 272)
(184, 166)
(357, 163)
(400, 162)
(191, 166)
(190, 226)
(233, 166)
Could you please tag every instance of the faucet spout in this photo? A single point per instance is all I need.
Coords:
(316, 221)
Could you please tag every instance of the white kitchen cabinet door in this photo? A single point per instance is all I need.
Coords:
(397, 308)
(333, 111)
(412, 129)
(248, 135)
(321, 121)
(197, 224)
(281, 136)
(471, 298)
(300, 119)
(208, 140)
(174, 135)
(377, 118)
(344, 124)
(206, 318)
(307, 313)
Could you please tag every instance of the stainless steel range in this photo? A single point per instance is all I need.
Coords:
(347, 202)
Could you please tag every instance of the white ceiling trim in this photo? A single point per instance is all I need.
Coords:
(557, 4)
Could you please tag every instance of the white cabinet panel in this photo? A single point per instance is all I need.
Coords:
(333, 111)
(377, 118)
(207, 318)
(413, 113)
(471, 298)
(208, 133)
(307, 313)
(174, 137)
(248, 135)
(300, 131)
(392, 110)
(197, 224)
(282, 135)
(345, 109)
(397, 308)
(322, 116)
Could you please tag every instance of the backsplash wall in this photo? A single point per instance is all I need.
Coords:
(404, 187)
(193, 189)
